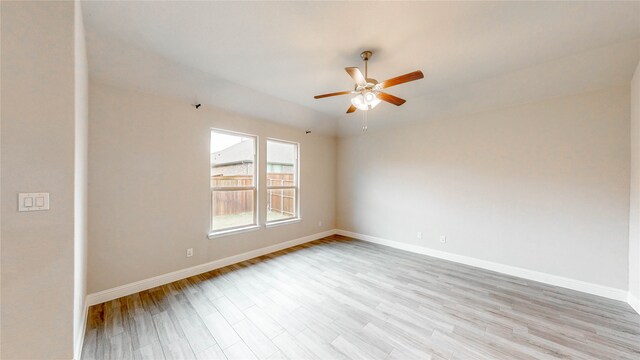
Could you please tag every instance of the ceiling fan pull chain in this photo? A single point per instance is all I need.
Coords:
(365, 127)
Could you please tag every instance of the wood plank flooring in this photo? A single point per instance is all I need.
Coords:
(339, 298)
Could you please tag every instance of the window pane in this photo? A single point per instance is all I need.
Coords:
(281, 204)
(232, 160)
(281, 163)
(232, 209)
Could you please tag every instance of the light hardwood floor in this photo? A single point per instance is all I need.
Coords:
(340, 298)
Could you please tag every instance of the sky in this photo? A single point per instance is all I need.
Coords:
(221, 141)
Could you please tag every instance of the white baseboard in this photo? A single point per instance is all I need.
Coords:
(573, 284)
(132, 288)
(79, 336)
(634, 302)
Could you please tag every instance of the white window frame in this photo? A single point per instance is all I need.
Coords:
(295, 187)
(241, 228)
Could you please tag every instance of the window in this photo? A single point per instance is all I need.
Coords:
(282, 181)
(233, 181)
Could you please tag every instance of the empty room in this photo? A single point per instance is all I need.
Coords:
(319, 180)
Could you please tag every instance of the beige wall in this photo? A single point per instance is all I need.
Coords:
(543, 186)
(37, 155)
(149, 185)
(634, 213)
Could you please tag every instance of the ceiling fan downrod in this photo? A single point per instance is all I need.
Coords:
(366, 55)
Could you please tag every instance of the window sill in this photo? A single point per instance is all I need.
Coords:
(283, 222)
(216, 234)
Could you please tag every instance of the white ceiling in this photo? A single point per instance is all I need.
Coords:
(268, 59)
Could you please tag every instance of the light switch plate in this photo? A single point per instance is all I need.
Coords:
(33, 201)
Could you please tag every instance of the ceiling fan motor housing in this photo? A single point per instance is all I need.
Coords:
(370, 86)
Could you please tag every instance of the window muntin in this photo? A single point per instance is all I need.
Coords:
(233, 180)
(282, 181)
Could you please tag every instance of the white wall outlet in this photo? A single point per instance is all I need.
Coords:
(33, 201)
(320, 223)
(443, 239)
(419, 235)
(189, 252)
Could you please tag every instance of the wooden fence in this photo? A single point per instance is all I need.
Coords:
(282, 201)
(235, 202)
(231, 202)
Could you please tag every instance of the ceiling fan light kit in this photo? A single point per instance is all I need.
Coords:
(368, 92)
(365, 101)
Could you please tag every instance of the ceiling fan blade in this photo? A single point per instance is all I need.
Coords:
(355, 73)
(351, 109)
(416, 75)
(332, 94)
(391, 99)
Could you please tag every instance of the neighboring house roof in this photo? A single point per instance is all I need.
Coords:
(278, 153)
(235, 154)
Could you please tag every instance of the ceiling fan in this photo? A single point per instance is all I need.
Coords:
(369, 91)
